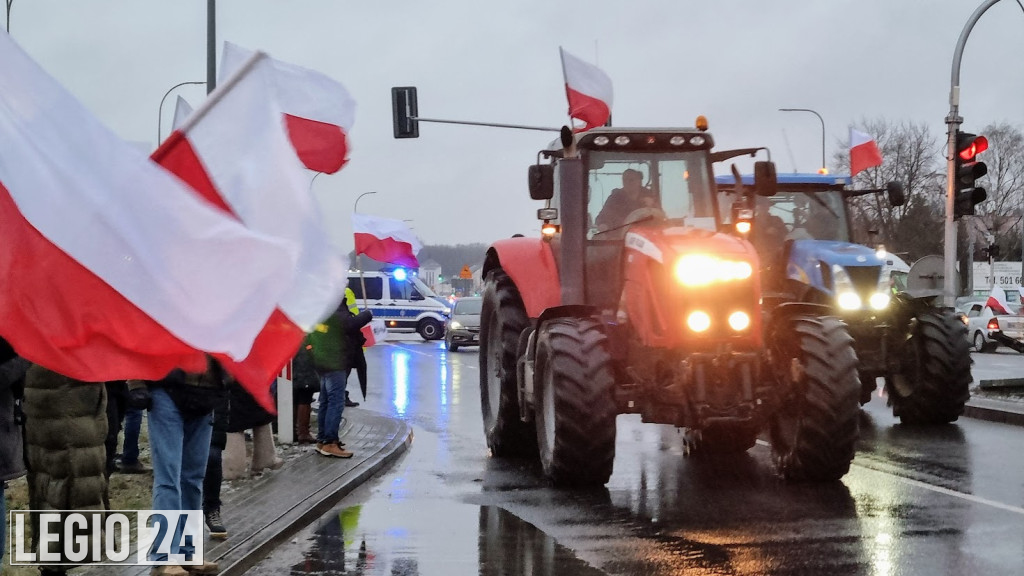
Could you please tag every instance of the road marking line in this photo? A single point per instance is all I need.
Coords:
(939, 489)
(410, 349)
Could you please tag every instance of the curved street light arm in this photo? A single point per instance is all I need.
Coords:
(160, 112)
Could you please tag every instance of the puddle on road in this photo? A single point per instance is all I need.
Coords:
(440, 539)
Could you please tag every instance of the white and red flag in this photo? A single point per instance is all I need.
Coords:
(111, 268)
(386, 240)
(864, 152)
(589, 91)
(235, 152)
(997, 301)
(319, 111)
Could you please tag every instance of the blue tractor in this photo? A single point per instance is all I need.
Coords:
(803, 235)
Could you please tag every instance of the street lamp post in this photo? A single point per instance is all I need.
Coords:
(359, 257)
(160, 113)
(822, 120)
(9, 3)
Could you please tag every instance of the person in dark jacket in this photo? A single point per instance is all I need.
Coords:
(12, 390)
(305, 383)
(65, 431)
(215, 469)
(246, 414)
(335, 359)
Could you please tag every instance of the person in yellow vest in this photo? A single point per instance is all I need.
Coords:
(350, 301)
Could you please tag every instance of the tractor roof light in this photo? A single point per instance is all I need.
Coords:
(701, 123)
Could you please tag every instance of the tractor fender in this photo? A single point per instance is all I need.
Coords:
(790, 309)
(530, 263)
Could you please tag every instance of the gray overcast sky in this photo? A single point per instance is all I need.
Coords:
(736, 62)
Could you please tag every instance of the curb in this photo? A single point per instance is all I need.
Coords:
(994, 411)
(317, 504)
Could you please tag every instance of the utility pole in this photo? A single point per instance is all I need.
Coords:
(211, 45)
(953, 121)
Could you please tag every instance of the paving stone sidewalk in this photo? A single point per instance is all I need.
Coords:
(262, 513)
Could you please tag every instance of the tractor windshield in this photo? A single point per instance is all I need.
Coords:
(621, 184)
(818, 215)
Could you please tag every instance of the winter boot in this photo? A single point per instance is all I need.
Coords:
(302, 435)
(263, 453)
(233, 464)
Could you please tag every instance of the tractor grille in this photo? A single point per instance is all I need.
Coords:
(864, 278)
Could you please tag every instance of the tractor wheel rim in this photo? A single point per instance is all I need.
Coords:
(548, 412)
(494, 369)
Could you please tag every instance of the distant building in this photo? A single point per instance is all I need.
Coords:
(430, 274)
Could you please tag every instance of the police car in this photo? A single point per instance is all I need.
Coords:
(401, 300)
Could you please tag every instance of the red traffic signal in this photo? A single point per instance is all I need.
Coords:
(968, 145)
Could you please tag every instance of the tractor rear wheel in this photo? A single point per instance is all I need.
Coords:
(502, 319)
(935, 382)
(575, 403)
(815, 429)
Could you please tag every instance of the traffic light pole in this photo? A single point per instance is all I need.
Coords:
(953, 121)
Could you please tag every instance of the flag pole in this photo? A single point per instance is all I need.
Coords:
(362, 279)
(565, 82)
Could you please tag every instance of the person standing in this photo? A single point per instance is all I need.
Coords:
(12, 461)
(65, 432)
(180, 428)
(332, 344)
(305, 383)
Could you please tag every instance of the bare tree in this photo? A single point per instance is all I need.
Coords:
(911, 156)
(1000, 214)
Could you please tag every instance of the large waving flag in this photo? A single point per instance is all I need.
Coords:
(112, 269)
(234, 151)
(864, 152)
(997, 301)
(386, 240)
(589, 91)
(319, 111)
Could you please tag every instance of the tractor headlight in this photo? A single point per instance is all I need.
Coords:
(846, 295)
(703, 269)
(698, 321)
(879, 301)
(739, 321)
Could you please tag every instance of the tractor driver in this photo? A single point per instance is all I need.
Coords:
(622, 201)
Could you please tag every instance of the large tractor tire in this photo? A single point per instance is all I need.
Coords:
(502, 319)
(815, 429)
(934, 385)
(575, 402)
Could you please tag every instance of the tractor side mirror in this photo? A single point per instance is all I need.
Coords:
(765, 180)
(895, 192)
(542, 181)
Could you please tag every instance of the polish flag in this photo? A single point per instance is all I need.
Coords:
(112, 268)
(319, 111)
(234, 152)
(386, 240)
(589, 91)
(864, 152)
(182, 110)
(997, 301)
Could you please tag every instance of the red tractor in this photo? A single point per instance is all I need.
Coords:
(657, 314)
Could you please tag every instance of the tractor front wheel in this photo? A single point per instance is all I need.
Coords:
(575, 403)
(502, 319)
(815, 429)
(934, 384)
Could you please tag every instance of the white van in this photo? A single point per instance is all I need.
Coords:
(402, 301)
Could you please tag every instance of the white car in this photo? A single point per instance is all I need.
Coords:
(982, 323)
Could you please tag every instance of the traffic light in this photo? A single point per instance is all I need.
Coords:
(404, 112)
(966, 171)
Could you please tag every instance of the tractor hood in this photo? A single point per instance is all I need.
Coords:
(665, 244)
(813, 262)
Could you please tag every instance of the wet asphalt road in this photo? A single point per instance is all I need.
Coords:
(946, 500)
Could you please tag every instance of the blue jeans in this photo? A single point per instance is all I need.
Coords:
(132, 427)
(332, 404)
(180, 447)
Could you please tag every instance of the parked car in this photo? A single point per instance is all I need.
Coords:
(463, 326)
(982, 323)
